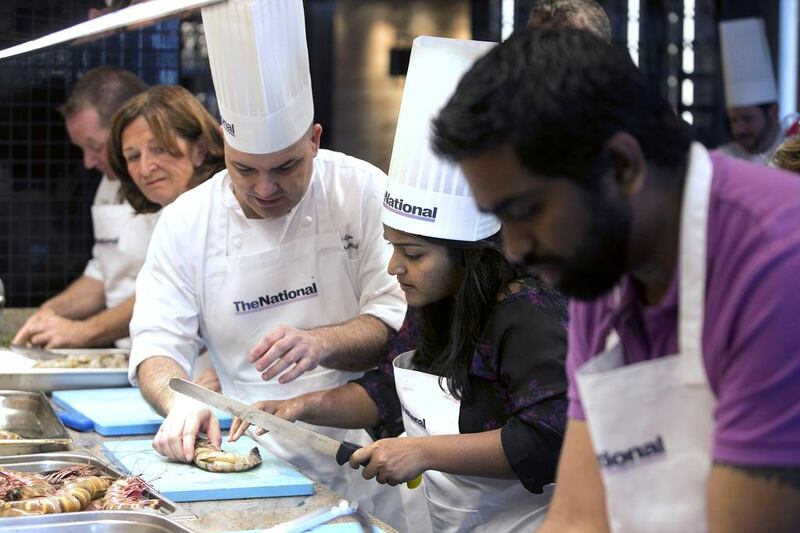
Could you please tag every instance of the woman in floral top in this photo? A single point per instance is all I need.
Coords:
(498, 340)
(516, 377)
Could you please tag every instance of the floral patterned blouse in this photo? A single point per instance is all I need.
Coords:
(517, 378)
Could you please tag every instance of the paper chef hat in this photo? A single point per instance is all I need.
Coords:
(259, 64)
(746, 63)
(426, 194)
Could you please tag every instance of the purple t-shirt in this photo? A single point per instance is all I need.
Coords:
(751, 334)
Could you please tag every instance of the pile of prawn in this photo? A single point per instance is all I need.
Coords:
(106, 360)
(72, 489)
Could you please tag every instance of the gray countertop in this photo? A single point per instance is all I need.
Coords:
(218, 515)
(231, 515)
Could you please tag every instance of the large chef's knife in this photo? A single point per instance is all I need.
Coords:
(323, 444)
(33, 352)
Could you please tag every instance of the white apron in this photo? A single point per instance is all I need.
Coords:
(307, 281)
(651, 422)
(120, 246)
(461, 503)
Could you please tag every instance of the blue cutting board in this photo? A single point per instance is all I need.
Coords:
(186, 483)
(120, 411)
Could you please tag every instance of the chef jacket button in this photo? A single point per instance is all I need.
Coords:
(237, 242)
(307, 221)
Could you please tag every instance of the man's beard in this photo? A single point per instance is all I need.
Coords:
(600, 260)
(756, 144)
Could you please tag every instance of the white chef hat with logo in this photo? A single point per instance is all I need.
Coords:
(428, 195)
(746, 63)
(259, 63)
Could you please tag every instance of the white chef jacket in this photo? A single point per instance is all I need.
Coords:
(117, 269)
(121, 238)
(733, 149)
(166, 319)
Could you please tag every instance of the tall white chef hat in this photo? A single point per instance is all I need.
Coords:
(746, 63)
(259, 64)
(426, 194)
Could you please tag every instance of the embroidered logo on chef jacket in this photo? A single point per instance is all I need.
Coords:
(418, 421)
(115, 240)
(229, 127)
(276, 299)
(348, 242)
(646, 451)
(428, 214)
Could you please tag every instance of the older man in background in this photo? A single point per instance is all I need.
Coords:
(96, 308)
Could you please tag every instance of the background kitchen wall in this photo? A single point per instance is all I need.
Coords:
(359, 52)
(45, 193)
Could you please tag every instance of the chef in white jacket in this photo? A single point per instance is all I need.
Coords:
(751, 94)
(276, 264)
(96, 308)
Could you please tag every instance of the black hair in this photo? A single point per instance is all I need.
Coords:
(450, 329)
(556, 96)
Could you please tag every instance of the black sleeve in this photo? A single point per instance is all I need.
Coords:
(380, 385)
(529, 336)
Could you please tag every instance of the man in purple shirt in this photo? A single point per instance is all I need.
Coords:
(601, 191)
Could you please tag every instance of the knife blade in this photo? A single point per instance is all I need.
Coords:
(31, 352)
(341, 451)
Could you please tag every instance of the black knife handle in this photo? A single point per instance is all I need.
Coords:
(346, 449)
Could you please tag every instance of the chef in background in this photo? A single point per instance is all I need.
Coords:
(276, 264)
(96, 308)
(751, 95)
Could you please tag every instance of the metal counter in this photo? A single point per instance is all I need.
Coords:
(232, 515)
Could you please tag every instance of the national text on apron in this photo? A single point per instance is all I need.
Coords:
(461, 503)
(253, 284)
(651, 422)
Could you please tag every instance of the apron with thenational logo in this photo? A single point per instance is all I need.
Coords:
(295, 270)
(651, 423)
(461, 503)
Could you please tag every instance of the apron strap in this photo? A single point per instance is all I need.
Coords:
(693, 248)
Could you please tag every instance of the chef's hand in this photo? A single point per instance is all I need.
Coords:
(47, 329)
(392, 461)
(290, 410)
(209, 379)
(176, 436)
(285, 346)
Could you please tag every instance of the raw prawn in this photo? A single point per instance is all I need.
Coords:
(126, 494)
(59, 476)
(209, 458)
(74, 496)
(20, 485)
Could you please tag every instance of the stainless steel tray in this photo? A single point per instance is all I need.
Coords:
(17, 372)
(50, 462)
(96, 522)
(31, 416)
